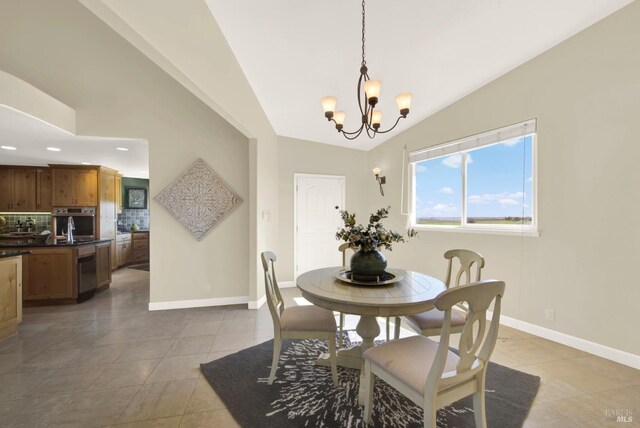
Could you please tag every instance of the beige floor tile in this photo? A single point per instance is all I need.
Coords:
(68, 380)
(159, 400)
(172, 422)
(219, 354)
(581, 375)
(178, 368)
(238, 325)
(95, 409)
(232, 341)
(543, 416)
(18, 385)
(8, 362)
(204, 398)
(201, 328)
(146, 350)
(214, 419)
(32, 412)
(125, 373)
(552, 388)
(191, 345)
(55, 359)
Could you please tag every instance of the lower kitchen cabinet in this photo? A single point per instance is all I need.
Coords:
(124, 249)
(10, 295)
(140, 241)
(49, 273)
(103, 264)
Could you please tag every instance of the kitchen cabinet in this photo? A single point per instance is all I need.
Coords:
(103, 264)
(44, 190)
(10, 295)
(140, 241)
(107, 210)
(124, 250)
(18, 189)
(75, 187)
(50, 273)
(119, 193)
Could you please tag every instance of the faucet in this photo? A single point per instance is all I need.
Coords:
(70, 228)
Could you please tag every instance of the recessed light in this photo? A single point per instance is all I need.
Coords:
(8, 147)
(86, 163)
(54, 149)
(123, 149)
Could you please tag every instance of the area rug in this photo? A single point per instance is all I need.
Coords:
(303, 394)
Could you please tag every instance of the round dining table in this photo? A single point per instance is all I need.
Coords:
(412, 294)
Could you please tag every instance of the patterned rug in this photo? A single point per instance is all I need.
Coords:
(303, 394)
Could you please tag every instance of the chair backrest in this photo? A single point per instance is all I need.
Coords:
(467, 260)
(474, 350)
(272, 292)
(343, 249)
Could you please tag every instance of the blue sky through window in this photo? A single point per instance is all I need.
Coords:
(499, 184)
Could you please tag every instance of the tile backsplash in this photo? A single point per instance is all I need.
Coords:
(43, 221)
(130, 216)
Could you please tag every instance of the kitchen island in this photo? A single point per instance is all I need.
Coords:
(58, 272)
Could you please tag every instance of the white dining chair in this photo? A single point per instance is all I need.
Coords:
(430, 323)
(426, 371)
(296, 322)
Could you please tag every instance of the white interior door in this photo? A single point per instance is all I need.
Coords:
(318, 201)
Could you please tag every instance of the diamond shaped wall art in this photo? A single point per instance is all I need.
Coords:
(198, 199)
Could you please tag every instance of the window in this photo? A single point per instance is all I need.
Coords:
(482, 182)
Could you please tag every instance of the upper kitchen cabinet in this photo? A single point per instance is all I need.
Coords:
(119, 193)
(75, 187)
(44, 189)
(17, 189)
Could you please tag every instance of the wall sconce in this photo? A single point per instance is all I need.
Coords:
(380, 180)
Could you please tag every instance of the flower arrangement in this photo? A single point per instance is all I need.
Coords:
(371, 237)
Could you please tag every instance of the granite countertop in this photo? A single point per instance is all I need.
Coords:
(52, 244)
(5, 254)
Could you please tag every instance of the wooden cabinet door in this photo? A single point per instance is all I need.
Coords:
(24, 190)
(118, 194)
(49, 274)
(64, 187)
(128, 253)
(6, 189)
(103, 264)
(86, 187)
(44, 190)
(10, 299)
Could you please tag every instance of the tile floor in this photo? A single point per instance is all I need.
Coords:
(110, 362)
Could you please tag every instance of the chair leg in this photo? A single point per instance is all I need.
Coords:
(277, 345)
(340, 331)
(332, 357)
(368, 397)
(478, 402)
(396, 328)
(429, 414)
(388, 329)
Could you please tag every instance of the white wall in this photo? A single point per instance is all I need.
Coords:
(300, 156)
(586, 95)
(66, 51)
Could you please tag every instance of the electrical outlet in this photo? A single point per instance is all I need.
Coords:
(550, 315)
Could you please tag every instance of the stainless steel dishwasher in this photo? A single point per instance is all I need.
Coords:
(87, 278)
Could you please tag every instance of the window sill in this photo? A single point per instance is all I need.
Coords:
(530, 233)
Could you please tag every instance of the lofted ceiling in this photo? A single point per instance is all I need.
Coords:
(295, 52)
(30, 137)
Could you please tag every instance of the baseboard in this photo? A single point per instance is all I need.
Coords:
(198, 303)
(622, 357)
(287, 284)
(256, 304)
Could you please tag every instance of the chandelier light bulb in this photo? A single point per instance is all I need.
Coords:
(376, 119)
(338, 117)
(329, 106)
(372, 89)
(404, 102)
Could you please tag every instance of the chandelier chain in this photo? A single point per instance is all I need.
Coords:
(364, 61)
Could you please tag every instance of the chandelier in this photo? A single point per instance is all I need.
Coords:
(368, 93)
